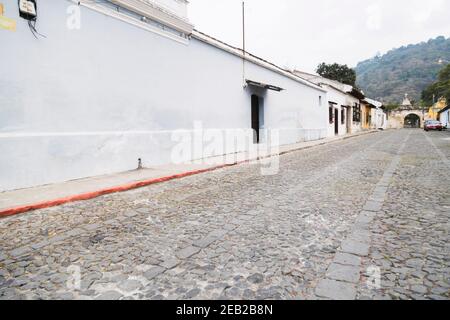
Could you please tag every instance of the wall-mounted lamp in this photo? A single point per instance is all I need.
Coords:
(28, 9)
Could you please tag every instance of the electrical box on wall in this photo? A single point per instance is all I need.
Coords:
(27, 9)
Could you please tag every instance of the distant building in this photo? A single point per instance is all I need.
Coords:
(444, 116)
(406, 116)
(346, 113)
(378, 118)
(433, 112)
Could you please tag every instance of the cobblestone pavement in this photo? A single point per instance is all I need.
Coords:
(362, 218)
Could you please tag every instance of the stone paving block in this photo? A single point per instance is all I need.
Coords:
(187, 252)
(335, 290)
(347, 259)
(129, 285)
(110, 221)
(75, 232)
(355, 247)
(170, 263)
(380, 190)
(91, 227)
(21, 251)
(343, 273)
(40, 245)
(373, 206)
(368, 214)
(362, 224)
(154, 272)
(143, 210)
(383, 184)
(218, 233)
(359, 235)
(109, 295)
(130, 213)
(58, 238)
(377, 197)
(230, 227)
(363, 221)
(205, 242)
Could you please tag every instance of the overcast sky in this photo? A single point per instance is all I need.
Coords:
(302, 33)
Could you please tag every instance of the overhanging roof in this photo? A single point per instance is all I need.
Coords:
(263, 85)
(357, 94)
(254, 59)
(443, 110)
(152, 11)
(373, 103)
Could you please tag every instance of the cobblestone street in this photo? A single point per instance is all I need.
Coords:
(362, 218)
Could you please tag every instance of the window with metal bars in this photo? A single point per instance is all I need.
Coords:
(357, 112)
(331, 113)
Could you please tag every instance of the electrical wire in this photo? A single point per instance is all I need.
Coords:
(32, 26)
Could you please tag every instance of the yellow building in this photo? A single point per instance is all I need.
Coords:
(366, 115)
(434, 110)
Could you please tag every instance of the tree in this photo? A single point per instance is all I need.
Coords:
(338, 72)
(440, 88)
(392, 106)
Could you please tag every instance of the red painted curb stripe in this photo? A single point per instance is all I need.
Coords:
(95, 194)
(134, 185)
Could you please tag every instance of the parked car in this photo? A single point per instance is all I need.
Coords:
(433, 125)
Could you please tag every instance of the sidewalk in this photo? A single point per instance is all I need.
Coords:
(23, 200)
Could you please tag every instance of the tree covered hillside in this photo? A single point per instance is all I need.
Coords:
(408, 69)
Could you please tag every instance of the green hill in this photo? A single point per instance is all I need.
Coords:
(407, 69)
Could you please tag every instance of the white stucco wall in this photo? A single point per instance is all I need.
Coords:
(341, 100)
(444, 118)
(92, 101)
(379, 120)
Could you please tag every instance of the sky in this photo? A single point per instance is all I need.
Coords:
(301, 34)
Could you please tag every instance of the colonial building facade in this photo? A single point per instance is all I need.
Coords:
(98, 87)
(112, 80)
(349, 111)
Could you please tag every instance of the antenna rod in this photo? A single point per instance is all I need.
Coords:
(243, 43)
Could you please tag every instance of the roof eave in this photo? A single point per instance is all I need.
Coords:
(252, 58)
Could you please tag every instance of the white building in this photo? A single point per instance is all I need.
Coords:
(344, 102)
(444, 117)
(378, 114)
(109, 84)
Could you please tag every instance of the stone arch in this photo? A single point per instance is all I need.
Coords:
(397, 118)
(412, 120)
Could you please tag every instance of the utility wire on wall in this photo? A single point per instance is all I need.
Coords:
(32, 26)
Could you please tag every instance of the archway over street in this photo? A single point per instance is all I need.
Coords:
(412, 120)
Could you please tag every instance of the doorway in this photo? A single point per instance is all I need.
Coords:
(336, 122)
(412, 121)
(257, 117)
